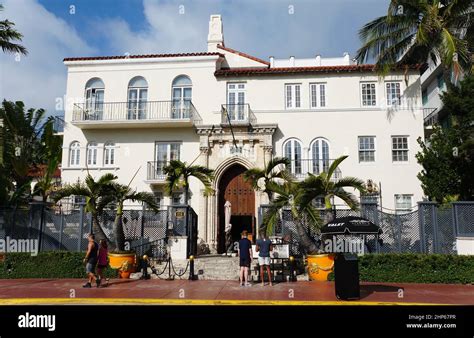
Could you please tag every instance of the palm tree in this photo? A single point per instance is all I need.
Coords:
(178, 174)
(289, 195)
(9, 34)
(415, 31)
(272, 172)
(98, 195)
(122, 193)
(299, 196)
(326, 187)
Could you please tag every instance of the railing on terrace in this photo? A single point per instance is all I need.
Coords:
(430, 116)
(177, 110)
(237, 114)
(301, 167)
(58, 124)
(155, 170)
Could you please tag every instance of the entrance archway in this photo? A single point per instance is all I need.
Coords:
(241, 195)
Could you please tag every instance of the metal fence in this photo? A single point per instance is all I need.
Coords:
(429, 229)
(145, 230)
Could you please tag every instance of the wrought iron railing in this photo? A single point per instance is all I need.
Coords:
(301, 167)
(155, 170)
(430, 116)
(58, 124)
(237, 114)
(176, 110)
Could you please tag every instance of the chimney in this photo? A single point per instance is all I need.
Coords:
(292, 61)
(272, 62)
(318, 60)
(347, 58)
(216, 33)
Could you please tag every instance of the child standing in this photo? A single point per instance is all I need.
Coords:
(102, 262)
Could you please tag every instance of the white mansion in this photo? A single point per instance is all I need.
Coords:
(137, 112)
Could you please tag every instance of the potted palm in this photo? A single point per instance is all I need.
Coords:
(119, 257)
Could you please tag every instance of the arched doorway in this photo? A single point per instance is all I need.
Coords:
(233, 188)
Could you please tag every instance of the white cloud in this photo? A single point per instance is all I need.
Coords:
(40, 77)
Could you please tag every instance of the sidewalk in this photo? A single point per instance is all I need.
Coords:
(181, 292)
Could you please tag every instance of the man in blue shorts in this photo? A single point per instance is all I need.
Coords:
(245, 254)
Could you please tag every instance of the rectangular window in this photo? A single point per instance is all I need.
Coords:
(317, 94)
(366, 148)
(236, 101)
(177, 198)
(393, 93)
(368, 92)
(293, 96)
(403, 203)
(164, 153)
(399, 148)
(158, 196)
(424, 97)
(441, 84)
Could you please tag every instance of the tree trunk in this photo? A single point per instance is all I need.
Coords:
(97, 229)
(118, 230)
(306, 243)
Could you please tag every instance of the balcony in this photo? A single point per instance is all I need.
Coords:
(148, 114)
(58, 125)
(237, 115)
(155, 173)
(430, 117)
(300, 168)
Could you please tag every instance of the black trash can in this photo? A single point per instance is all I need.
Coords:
(346, 276)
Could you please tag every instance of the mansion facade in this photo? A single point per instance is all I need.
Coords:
(230, 111)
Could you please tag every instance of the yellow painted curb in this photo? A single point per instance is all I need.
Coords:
(153, 301)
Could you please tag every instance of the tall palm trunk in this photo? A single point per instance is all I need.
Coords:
(306, 242)
(97, 229)
(118, 229)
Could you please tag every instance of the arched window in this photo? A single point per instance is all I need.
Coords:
(137, 98)
(94, 99)
(292, 151)
(320, 155)
(74, 154)
(109, 153)
(92, 149)
(182, 94)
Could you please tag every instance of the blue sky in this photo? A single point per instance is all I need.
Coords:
(53, 30)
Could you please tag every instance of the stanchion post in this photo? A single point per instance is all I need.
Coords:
(292, 269)
(191, 267)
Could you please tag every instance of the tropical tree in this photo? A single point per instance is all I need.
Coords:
(7, 35)
(326, 187)
(26, 144)
(298, 197)
(415, 31)
(122, 193)
(178, 174)
(98, 194)
(289, 197)
(260, 178)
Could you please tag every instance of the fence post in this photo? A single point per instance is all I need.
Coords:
(81, 224)
(40, 233)
(399, 229)
(89, 222)
(434, 217)
(61, 229)
(455, 220)
(421, 226)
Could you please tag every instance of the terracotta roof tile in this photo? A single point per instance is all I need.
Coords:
(243, 54)
(293, 70)
(144, 56)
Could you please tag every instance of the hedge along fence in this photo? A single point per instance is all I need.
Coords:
(400, 268)
(51, 264)
(416, 268)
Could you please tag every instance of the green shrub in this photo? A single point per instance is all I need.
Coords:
(52, 264)
(416, 268)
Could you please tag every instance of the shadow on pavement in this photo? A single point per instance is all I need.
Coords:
(367, 290)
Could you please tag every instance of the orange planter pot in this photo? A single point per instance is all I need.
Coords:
(320, 266)
(124, 262)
